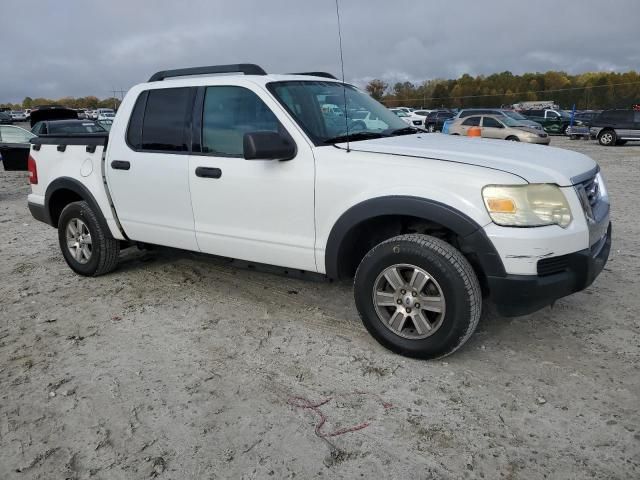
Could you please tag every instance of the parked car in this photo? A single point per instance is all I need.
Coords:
(427, 224)
(59, 127)
(422, 112)
(499, 127)
(435, 120)
(366, 120)
(108, 113)
(18, 116)
(5, 118)
(587, 117)
(553, 121)
(521, 119)
(410, 118)
(616, 127)
(14, 147)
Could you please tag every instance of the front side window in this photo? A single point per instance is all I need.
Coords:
(491, 123)
(305, 99)
(166, 116)
(230, 112)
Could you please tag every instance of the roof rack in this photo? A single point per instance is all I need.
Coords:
(316, 74)
(246, 68)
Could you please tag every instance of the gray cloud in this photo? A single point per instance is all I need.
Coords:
(80, 47)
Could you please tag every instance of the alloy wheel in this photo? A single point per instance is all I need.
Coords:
(409, 301)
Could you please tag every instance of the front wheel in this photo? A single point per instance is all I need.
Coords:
(513, 138)
(85, 246)
(431, 128)
(418, 296)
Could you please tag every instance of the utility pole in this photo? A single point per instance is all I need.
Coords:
(117, 94)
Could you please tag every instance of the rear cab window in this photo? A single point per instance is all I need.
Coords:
(160, 120)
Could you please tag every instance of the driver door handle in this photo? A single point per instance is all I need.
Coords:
(120, 165)
(208, 172)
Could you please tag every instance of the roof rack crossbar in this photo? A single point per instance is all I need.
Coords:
(246, 68)
(316, 74)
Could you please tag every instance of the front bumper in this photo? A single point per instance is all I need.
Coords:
(516, 295)
(537, 140)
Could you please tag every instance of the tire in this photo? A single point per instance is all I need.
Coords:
(512, 138)
(607, 138)
(452, 286)
(564, 129)
(431, 128)
(89, 236)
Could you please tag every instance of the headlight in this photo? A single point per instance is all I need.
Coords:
(531, 205)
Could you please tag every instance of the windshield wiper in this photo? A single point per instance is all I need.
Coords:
(352, 137)
(404, 131)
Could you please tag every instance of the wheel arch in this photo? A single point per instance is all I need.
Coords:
(65, 190)
(381, 213)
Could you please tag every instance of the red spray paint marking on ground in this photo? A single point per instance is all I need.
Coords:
(304, 403)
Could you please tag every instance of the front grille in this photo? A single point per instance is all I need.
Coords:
(549, 266)
(591, 190)
(417, 122)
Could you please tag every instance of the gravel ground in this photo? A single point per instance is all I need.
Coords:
(178, 366)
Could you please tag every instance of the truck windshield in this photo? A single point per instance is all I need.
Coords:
(304, 101)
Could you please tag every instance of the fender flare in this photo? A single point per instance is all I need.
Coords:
(473, 239)
(68, 183)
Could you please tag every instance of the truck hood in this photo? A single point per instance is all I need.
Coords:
(534, 163)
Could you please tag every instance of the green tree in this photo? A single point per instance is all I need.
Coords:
(377, 88)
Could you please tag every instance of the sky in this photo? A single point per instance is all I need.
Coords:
(76, 48)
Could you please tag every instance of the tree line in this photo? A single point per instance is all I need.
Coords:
(89, 102)
(592, 90)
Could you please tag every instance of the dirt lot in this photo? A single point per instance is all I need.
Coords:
(178, 366)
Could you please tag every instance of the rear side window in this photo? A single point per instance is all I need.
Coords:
(616, 116)
(165, 120)
(472, 122)
(134, 132)
(160, 120)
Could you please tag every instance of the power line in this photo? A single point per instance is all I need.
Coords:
(587, 87)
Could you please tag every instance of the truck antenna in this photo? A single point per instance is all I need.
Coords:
(344, 88)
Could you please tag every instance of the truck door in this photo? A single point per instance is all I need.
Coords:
(147, 168)
(254, 210)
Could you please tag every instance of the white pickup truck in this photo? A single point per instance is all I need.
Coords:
(248, 166)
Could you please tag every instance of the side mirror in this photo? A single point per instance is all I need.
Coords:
(267, 146)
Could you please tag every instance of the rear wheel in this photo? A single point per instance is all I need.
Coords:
(418, 296)
(607, 138)
(85, 246)
(513, 138)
